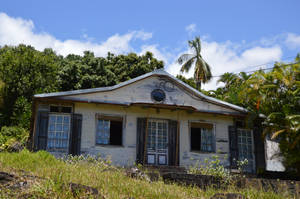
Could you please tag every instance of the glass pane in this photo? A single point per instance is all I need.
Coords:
(248, 134)
(58, 132)
(52, 127)
(103, 132)
(66, 119)
(59, 127)
(249, 140)
(243, 139)
(59, 119)
(66, 128)
(52, 119)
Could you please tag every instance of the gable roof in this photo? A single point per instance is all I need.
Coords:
(159, 72)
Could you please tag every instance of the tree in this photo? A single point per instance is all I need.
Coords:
(88, 71)
(24, 72)
(189, 81)
(202, 73)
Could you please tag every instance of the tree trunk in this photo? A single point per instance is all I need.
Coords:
(198, 85)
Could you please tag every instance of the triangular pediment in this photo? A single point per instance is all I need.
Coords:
(140, 89)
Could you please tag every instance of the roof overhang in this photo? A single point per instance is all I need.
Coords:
(138, 104)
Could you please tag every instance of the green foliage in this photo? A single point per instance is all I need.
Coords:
(190, 81)
(10, 136)
(24, 72)
(212, 167)
(88, 71)
(274, 94)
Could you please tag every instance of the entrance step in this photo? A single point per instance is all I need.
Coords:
(164, 169)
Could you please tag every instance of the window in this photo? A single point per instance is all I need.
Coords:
(60, 109)
(109, 130)
(58, 132)
(245, 148)
(202, 137)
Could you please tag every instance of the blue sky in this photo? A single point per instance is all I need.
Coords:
(236, 35)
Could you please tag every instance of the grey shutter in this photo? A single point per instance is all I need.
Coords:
(233, 146)
(75, 138)
(140, 140)
(40, 140)
(173, 148)
(259, 149)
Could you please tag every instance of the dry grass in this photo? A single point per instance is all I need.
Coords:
(111, 182)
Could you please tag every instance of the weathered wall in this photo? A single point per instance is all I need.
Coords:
(140, 92)
(126, 154)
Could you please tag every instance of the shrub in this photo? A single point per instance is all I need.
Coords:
(13, 138)
(212, 167)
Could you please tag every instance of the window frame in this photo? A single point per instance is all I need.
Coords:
(99, 116)
(60, 106)
(252, 147)
(213, 136)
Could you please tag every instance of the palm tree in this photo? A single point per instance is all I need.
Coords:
(202, 72)
(229, 79)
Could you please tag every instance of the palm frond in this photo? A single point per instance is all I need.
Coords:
(277, 133)
(183, 58)
(202, 71)
(187, 65)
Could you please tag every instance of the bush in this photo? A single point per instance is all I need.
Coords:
(211, 167)
(13, 138)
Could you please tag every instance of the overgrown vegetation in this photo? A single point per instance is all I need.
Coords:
(274, 96)
(213, 167)
(13, 138)
(54, 176)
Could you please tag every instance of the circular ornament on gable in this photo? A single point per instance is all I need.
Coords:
(158, 95)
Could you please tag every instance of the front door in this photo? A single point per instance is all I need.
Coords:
(157, 142)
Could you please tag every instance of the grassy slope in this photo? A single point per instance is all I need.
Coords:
(111, 182)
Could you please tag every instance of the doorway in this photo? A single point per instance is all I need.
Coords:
(157, 142)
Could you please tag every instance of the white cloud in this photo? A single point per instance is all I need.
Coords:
(14, 31)
(222, 56)
(191, 28)
(226, 57)
(292, 41)
(161, 54)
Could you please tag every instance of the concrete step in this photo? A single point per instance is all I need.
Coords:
(165, 169)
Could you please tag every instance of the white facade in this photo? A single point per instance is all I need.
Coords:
(132, 100)
(126, 154)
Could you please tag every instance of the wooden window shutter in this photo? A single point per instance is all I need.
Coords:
(75, 138)
(259, 148)
(140, 140)
(233, 146)
(40, 141)
(173, 143)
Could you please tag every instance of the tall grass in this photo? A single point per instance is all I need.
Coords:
(110, 181)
